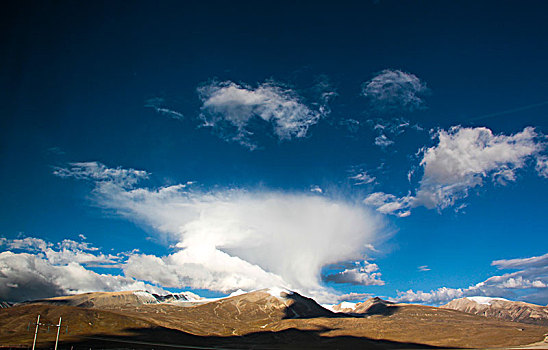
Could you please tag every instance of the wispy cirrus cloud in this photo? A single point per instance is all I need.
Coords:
(236, 111)
(389, 204)
(158, 104)
(388, 129)
(522, 263)
(98, 172)
(393, 90)
(463, 159)
(362, 178)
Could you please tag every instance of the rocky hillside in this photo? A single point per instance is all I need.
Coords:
(236, 315)
(269, 318)
(372, 306)
(501, 308)
(114, 300)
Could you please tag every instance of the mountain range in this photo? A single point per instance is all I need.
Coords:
(502, 309)
(269, 318)
(108, 300)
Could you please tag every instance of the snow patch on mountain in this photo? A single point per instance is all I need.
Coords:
(145, 297)
(278, 292)
(348, 305)
(484, 300)
(236, 293)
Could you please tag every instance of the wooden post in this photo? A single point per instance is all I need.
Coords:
(36, 332)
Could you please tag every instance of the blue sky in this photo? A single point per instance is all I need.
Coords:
(386, 148)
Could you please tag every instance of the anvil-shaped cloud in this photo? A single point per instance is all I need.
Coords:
(235, 239)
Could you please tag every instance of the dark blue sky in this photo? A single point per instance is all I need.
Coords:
(77, 80)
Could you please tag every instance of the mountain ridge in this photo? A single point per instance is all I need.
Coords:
(270, 317)
(371, 306)
(115, 299)
(516, 311)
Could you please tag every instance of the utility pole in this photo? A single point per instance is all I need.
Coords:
(38, 324)
(58, 329)
(36, 332)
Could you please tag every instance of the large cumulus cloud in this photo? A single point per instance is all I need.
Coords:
(463, 159)
(233, 239)
(33, 268)
(236, 111)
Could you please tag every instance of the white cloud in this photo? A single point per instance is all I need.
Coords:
(201, 267)
(82, 253)
(352, 296)
(98, 172)
(234, 110)
(371, 247)
(438, 296)
(522, 263)
(267, 238)
(394, 90)
(316, 189)
(42, 271)
(464, 158)
(158, 105)
(424, 268)
(388, 129)
(364, 274)
(362, 178)
(392, 126)
(27, 243)
(383, 141)
(390, 204)
(62, 253)
(542, 166)
(529, 283)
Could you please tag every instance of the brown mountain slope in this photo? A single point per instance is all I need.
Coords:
(259, 319)
(104, 300)
(501, 309)
(242, 314)
(372, 306)
(107, 300)
(17, 323)
(94, 328)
